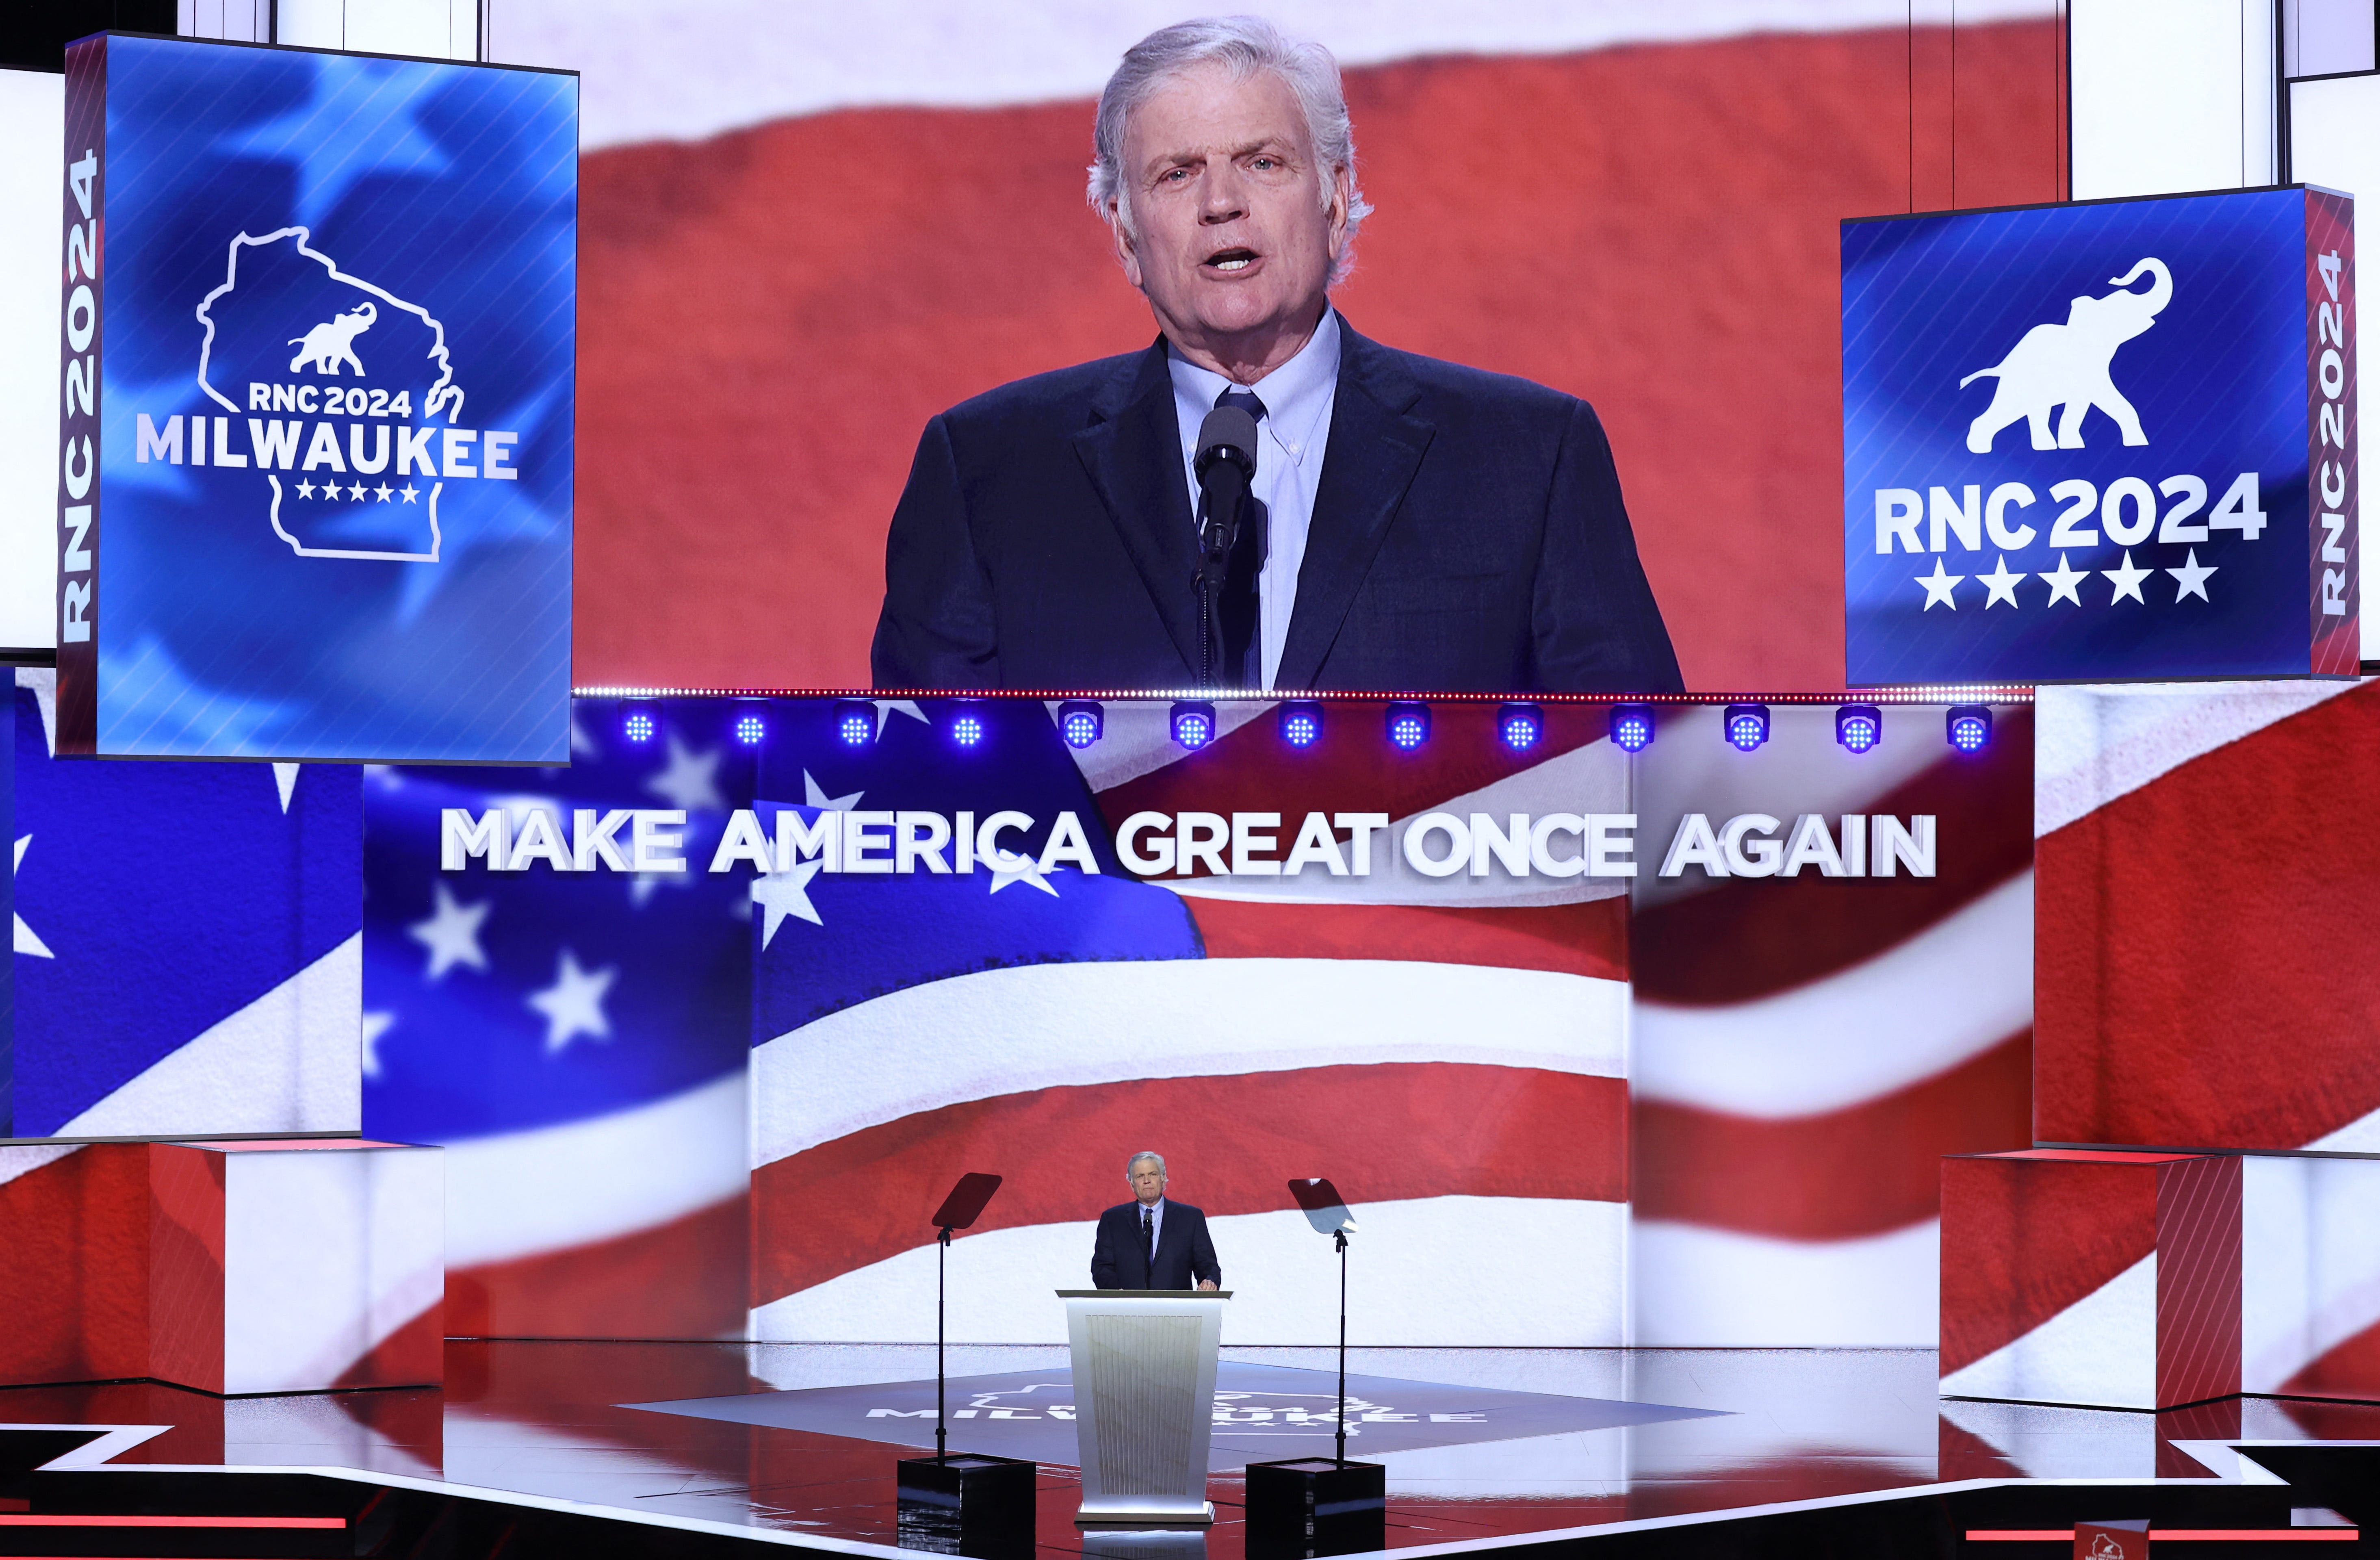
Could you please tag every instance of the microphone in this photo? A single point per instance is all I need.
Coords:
(1226, 465)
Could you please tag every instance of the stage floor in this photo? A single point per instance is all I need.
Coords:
(1478, 1443)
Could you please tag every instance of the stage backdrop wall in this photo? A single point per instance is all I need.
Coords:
(809, 227)
(697, 1103)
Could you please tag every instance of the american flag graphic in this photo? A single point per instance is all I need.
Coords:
(1806, 1049)
(575, 1043)
(1451, 1050)
(2166, 1024)
(185, 939)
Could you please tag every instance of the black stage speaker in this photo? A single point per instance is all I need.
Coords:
(1307, 1507)
(967, 1504)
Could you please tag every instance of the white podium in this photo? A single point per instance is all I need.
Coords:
(1144, 1401)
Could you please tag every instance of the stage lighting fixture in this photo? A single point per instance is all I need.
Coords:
(1859, 726)
(854, 722)
(1520, 725)
(749, 729)
(1968, 726)
(1081, 722)
(637, 725)
(1408, 724)
(967, 727)
(1747, 725)
(1632, 727)
(1194, 724)
(1301, 722)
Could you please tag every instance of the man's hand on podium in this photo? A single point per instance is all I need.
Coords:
(1206, 1283)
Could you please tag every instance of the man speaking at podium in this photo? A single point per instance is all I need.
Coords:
(1152, 1242)
(1412, 523)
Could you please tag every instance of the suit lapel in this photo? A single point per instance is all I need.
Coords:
(1374, 449)
(1133, 451)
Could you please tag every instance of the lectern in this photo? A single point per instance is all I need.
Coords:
(1144, 1402)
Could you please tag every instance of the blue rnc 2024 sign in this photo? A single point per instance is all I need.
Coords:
(316, 489)
(2100, 442)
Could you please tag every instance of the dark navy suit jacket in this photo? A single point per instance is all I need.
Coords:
(1183, 1253)
(1468, 534)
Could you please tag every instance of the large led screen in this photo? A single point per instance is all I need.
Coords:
(315, 487)
(809, 237)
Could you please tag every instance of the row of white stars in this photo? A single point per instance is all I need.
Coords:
(2065, 582)
(357, 491)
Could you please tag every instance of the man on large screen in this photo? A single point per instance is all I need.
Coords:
(1415, 524)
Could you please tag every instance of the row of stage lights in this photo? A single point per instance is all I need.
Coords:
(1518, 725)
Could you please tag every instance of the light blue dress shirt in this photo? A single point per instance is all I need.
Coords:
(1291, 440)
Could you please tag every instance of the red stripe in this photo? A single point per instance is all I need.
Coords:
(2022, 1238)
(1961, 1454)
(1382, 1133)
(1753, 937)
(770, 316)
(1587, 938)
(2198, 1280)
(412, 1355)
(1874, 1167)
(684, 1279)
(2350, 1368)
(2200, 946)
(186, 1266)
(75, 1267)
(1252, 769)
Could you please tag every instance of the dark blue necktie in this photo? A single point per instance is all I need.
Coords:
(1148, 1236)
(1241, 607)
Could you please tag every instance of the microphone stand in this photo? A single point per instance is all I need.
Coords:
(942, 1431)
(1340, 1236)
(1214, 565)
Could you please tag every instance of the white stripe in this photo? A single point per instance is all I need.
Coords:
(297, 1427)
(2044, 1442)
(326, 1254)
(1046, 1026)
(1593, 778)
(2093, 745)
(686, 72)
(2310, 1266)
(2359, 1135)
(1530, 1271)
(2099, 1352)
(1917, 1011)
(585, 1181)
(24, 1159)
(1709, 1288)
(44, 681)
(285, 1063)
(1836, 1413)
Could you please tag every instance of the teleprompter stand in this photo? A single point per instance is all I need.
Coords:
(963, 1502)
(1305, 1506)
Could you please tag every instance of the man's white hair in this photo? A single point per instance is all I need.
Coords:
(1243, 45)
(1145, 1153)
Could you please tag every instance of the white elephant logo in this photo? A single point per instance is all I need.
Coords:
(2068, 364)
(334, 342)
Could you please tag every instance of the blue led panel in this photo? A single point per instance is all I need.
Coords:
(2106, 441)
(315, 498)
